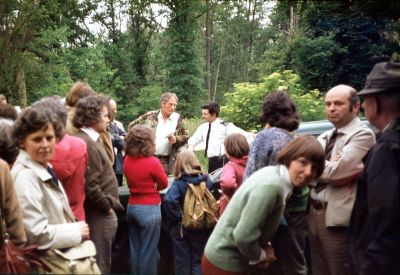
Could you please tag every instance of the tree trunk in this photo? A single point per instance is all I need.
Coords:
(21, 87)
(208, 47)
(218, 67)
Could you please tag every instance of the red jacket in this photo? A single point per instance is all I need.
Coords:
(231, 179)
(145, 177)
(69, 161)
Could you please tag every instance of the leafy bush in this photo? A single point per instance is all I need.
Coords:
(243, 104)
(148, 99)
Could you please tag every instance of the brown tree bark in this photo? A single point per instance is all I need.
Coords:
(208, 47)
(21, 86)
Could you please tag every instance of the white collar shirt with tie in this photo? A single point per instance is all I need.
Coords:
(219, 131)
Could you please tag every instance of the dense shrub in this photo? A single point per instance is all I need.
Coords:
(244, 102)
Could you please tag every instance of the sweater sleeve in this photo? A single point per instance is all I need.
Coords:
(255, 213)
(228, 180)
(159, 175)
(172, 203)
(94, 194)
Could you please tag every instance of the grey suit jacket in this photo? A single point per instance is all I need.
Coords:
(342, 170)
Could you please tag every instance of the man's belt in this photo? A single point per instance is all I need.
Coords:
(319, 205)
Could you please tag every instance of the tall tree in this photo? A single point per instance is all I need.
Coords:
(183, 57)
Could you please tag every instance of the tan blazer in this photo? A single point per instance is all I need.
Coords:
(341, 172)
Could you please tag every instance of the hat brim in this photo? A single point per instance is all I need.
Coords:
(370, 91)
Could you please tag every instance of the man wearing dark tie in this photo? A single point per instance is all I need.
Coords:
(332, 199)
(213, 132)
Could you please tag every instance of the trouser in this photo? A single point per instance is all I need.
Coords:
(102, 232)
(289, 243)
(210, 269)
(215, 163)
(164, 162)
(120, 178)
(329, 245)
(144, 234)
(188, 249)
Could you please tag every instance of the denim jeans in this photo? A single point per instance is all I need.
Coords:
(144, 233)
(188, 250)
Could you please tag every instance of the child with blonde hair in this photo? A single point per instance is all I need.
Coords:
(188, 245)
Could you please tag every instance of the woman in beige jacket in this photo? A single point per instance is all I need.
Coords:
(46, 214)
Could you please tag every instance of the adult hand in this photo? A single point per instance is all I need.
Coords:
(269, 257)
(171, 139)
(85, 232)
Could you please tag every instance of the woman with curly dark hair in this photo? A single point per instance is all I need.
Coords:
(101, 187)
(145, 177)
(280, 117)
(47, 217)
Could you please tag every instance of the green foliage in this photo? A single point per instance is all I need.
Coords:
(148, 99)
(244, 102)
(88, 64)
(183, 62)
(317, 60)
(338, 44)
(191, 125)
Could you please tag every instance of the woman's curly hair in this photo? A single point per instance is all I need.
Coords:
(88, 111)
(33, 119)
(279, 110)
(8, 146)
(140, 141)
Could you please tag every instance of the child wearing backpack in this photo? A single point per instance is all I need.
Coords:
(237, 150)
(188, 244)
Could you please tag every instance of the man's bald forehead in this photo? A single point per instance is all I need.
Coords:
(342, 88)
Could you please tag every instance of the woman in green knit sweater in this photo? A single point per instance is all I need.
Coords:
(241, 238)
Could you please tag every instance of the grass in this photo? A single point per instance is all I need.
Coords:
(191, 125)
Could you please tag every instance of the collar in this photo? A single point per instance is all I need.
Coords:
(216, 121)
(173, 116)
(287, 183)
(394, 125)
(91, 133)
(349, 127)
(39, 170)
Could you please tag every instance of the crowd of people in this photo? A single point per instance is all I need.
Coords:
(62, 160)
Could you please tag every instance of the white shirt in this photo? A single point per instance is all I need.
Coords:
(91, 133)
(287, 183)
(165, 127)
(219, 131)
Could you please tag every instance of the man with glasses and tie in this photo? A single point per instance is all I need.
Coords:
(213, 132)
(332, 199)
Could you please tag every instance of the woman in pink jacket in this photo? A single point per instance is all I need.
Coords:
(236, 149)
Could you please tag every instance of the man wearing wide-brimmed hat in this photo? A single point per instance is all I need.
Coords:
(375, 221)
